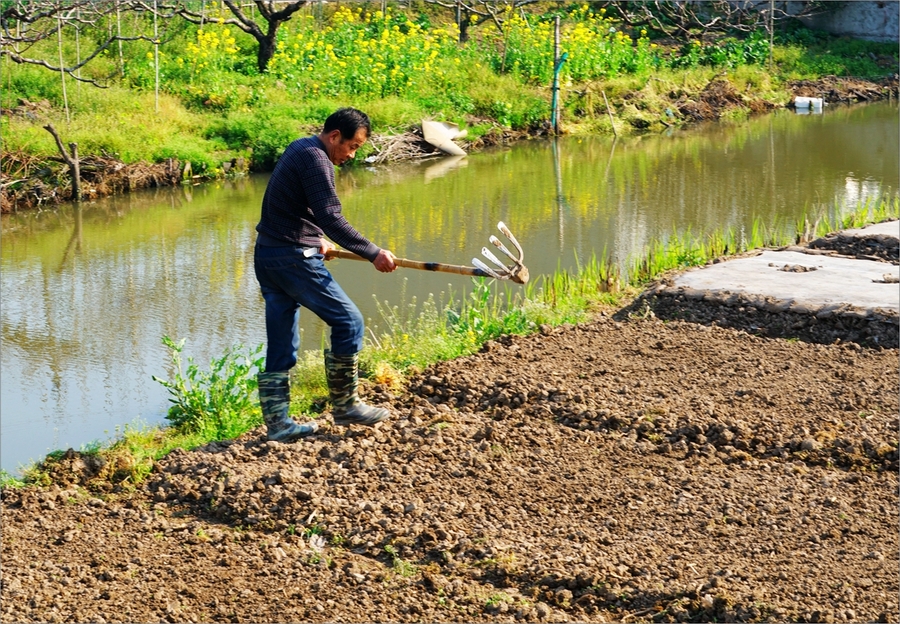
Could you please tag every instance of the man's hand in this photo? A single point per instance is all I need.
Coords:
(384, 261)
(325, 246)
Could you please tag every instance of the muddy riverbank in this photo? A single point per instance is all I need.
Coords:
(27, 182)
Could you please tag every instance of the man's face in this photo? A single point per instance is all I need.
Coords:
(340, 150)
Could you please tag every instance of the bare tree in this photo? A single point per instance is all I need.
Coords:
(272, 16)
(25, 23)
(684, 18)
(473, 13)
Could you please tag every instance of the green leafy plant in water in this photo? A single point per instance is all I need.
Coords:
(219, 402)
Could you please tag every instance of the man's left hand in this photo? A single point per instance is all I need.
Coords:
(326, 246)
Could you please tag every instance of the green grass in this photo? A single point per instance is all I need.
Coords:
(413, 335)
(402, 67)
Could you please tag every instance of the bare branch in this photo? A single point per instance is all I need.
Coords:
(47, 16)
(246, 24)
(684, 18)
(267, 40)
(18, 58)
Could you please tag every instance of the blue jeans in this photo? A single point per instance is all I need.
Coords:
(289, 281)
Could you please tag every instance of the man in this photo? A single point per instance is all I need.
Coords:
(299, 208)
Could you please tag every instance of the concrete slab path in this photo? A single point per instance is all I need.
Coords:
(843, 287)
(792, 277)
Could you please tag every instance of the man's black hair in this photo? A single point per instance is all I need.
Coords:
(348, 121)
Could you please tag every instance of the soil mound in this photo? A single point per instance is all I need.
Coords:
(613, 471)
(867, 247)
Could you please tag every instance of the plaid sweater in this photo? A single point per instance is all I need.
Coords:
(301, 203)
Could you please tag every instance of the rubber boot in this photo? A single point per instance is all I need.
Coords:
(274, 399)
(342, 372)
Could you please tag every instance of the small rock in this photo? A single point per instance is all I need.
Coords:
(809, 444)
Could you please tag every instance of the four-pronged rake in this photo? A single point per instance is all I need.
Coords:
(517, 273)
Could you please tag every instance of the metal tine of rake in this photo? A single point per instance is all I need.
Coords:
(513, 240)
(481, 265)
(496, 242)
(502, 268)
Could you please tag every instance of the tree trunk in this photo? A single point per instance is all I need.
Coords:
(464, 21)
(71, 161)
(267, 47)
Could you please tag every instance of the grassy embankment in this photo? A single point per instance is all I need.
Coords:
(214, 105)
(218, 402)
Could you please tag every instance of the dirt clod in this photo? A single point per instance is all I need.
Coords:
(615, 471)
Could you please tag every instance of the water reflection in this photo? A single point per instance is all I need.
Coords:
(442, 167)
(88, 292)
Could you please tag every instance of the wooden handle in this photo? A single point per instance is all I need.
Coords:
(414, 264)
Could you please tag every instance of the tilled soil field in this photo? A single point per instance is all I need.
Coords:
(614, 471)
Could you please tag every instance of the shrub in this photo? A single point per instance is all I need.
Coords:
(220, 402)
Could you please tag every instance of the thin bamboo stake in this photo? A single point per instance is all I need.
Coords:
(771, 32)
(62, 71)
(609, 112)
(78, 40)
(119, 35)
(555, 111)
(156, 58)
(78, 52)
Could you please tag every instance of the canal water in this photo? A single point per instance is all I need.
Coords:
(88, 293)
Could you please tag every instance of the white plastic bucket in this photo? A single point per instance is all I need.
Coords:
(808, 103)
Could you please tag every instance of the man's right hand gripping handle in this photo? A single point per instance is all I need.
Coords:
(384, 261)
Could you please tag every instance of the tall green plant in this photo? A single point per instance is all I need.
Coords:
(219, 402)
